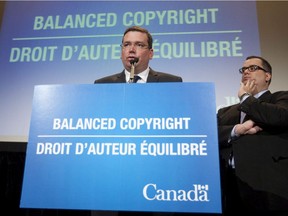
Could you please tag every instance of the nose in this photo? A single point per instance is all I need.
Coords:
(132, 47)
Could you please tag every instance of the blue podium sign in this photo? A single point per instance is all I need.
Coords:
(130, 147)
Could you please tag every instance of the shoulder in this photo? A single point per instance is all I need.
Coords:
(114, 78)
(163, 77)
(230, 108)
(279, 97)
(280, 93)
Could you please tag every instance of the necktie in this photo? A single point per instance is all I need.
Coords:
(136, 78)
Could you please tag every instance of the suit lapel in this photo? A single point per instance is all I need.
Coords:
(121, 78)
(266, 96)
(152, 76)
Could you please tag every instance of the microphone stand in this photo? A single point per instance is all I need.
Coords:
(133, 62)
(131, 80)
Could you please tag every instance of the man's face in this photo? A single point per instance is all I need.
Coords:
(135, 44)
(260, 77)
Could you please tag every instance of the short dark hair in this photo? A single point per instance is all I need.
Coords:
(266, 64)
(140, 29)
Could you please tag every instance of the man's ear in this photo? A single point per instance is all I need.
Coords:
(268, 77)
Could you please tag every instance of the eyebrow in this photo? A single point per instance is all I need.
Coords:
(128, 41)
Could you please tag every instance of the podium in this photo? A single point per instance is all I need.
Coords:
(123, 147)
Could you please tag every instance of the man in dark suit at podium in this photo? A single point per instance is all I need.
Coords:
(136, 53)
(253, 140)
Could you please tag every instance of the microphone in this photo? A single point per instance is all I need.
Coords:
(133, 62)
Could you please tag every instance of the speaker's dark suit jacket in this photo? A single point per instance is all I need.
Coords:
(261, 160)
(153, 76)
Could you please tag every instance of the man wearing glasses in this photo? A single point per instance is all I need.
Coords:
(136, 52)
(253, 142)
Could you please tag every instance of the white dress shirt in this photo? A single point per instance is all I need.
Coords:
(143, 75)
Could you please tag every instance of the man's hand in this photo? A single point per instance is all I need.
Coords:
(248, 87)
(247, 127)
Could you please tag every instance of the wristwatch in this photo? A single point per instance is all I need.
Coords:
(243, 95)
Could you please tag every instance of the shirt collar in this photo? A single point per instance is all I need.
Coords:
(260, 93)
(143, 75)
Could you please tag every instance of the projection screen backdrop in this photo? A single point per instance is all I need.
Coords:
(76, 42)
